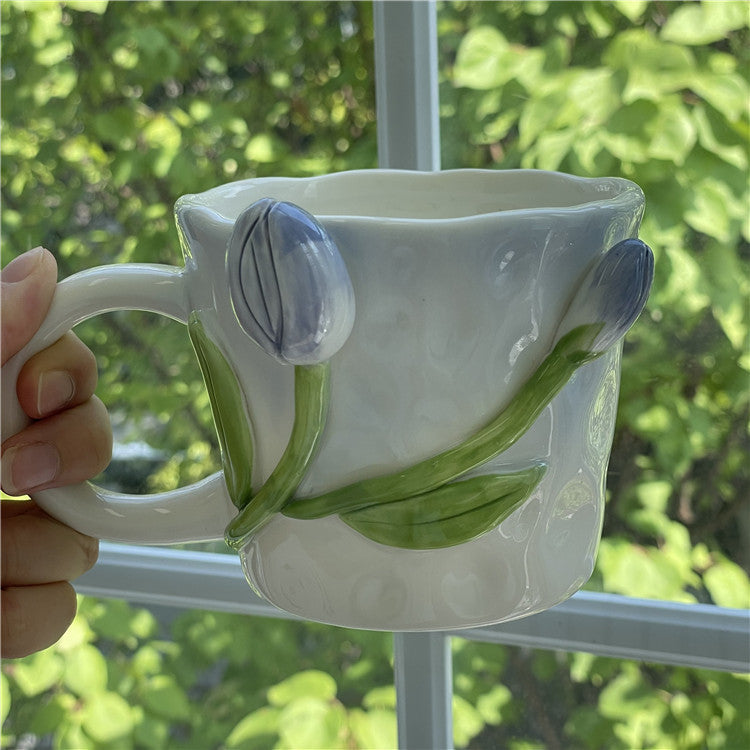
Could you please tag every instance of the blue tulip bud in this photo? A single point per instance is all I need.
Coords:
(612, 294)
(289, 286)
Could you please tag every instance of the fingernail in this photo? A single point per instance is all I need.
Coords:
(56, 389)
(28, 466)
(22, 266)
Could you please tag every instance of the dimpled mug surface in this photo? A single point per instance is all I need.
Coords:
(460, 281)
(414, 378)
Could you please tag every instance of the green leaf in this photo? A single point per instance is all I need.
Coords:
(164, 137)
(375, 730)
(711, 209)
(106, 717)
(254, 729)
(484, 59)
(450, 515)
(728, 584)
(150, 732)
(653, 67)
(639, 571)
(71, 734)
(673, 133)
(715, 135)
(164, 697)
(313, 724)
(730, 290)
(631, 9)
(39, 672)
(51, 715)
(491, 704)
(264, 148)
(539, 115)
(85, 671)
(310, 683)
(380, 697)
(229, 409)
(54, 53)
(5, 700)
(698, 24)
(115, 619)
(727, 93)
(626, 136)
(654, 495)
(88, 6)
(467, 721)
(551, 149)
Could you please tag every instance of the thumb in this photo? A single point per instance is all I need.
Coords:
(28, 285)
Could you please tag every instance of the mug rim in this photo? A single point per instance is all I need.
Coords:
(616, 192)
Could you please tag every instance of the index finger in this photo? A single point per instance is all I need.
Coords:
(28, 285)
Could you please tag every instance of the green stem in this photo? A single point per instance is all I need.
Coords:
(228, 409)
(503, 431)
(311, 398)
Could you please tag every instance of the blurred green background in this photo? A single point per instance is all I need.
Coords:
(110, 111)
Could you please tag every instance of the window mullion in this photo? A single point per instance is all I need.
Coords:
(406, 85)
(407, 99)
(424, 690)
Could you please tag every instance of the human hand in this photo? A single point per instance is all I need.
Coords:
(68, 441)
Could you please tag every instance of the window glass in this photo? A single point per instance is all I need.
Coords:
(523, 698)
(131, 677)
(657, 93)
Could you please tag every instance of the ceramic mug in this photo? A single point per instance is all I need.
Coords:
(414, 379)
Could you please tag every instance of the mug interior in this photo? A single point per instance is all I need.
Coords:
(426, 196)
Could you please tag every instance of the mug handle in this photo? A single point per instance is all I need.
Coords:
(197, 512)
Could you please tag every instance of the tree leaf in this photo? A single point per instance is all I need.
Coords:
(631, 9)
(728, 584)
(85, 671)
(4, 698)
(374, 729)
(313, 724)
(726, 92)
(254, 728)
(673, 133)
(698, 24)
(467, 721)
(106, 717)
(710, 209)
(310, 683)
(484, 59)
(39, 672)
(164, 697)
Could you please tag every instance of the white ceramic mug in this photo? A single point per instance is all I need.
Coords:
(368, 338)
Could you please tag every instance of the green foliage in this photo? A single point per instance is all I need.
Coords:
(114, 680)
(110, 111)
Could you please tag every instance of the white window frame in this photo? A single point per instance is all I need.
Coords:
(693, 635)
